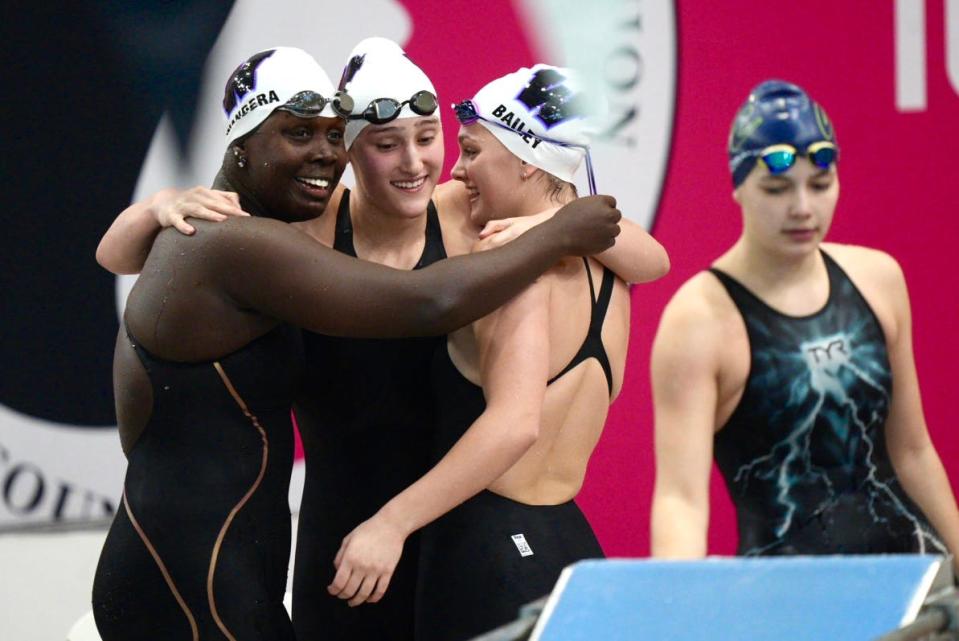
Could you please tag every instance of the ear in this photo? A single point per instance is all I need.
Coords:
(736, 195)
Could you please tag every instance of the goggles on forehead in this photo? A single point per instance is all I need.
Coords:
(384, 110)
(467, 115)
(309, 104)
(779, 158)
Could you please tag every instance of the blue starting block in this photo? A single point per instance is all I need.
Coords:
(802, 598)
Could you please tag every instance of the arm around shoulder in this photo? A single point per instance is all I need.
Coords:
(126, 244)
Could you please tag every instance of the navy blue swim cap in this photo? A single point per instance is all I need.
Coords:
(776, 112)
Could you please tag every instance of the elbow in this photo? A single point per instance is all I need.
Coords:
(105, 260)
(652, 263)
(662, 266)
(527, 433)
(109, 262)
(517, 431)
(658, 264)
(101, 256)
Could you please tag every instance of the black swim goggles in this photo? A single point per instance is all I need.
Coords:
(467, 115)
(309, 104)
(384, 110)
(780, 158)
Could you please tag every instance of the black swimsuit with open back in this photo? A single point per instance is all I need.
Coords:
(484, 559)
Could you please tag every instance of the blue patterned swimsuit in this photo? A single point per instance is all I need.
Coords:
(804, 453)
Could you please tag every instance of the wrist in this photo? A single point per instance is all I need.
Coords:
(397, 518)
(155, 203)
(559, 238)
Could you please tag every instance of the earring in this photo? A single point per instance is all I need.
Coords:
(240, 160)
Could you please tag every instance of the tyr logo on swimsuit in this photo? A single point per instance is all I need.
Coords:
(832, 351)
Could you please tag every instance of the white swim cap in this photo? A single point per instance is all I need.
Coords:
(268, 80)
(378, 68)
(540, 115)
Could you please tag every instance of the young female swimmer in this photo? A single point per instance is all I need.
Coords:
(790, 361)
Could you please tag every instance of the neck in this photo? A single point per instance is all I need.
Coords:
(373, 226)
(539, 203)
(765, 269)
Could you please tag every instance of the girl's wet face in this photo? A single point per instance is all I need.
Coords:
(788, 213)
(397, 165)
(294, 163)
(492, 175)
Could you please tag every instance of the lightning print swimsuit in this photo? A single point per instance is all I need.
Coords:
(804, 453)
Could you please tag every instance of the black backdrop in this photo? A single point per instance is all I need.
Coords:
(84, 86)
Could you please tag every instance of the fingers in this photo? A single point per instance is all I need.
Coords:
(610, 200)
(199, 210)
(494, 226)
(365, 590)
(380, 590)
(213, 205)
(338, 559)
(182, 226)
(203, 203)
(345, 582)
(231, 196)
(357, 587)
(226, 202)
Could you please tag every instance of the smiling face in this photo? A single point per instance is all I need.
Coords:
(789, 213)
(397, 165)
(493, 176)
(293, 164)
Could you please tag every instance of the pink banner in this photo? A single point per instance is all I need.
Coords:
(897, 171)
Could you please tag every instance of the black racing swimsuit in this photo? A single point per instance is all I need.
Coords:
(200, 546)
(804, 453)
(484, 559)
(366, 419)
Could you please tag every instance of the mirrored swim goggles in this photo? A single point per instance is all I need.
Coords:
(309, 104)
(384, 110)
(467, 115)
(780, 158)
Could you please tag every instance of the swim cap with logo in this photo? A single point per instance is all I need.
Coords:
(538, 106)
(776, 112)
(268, 80)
